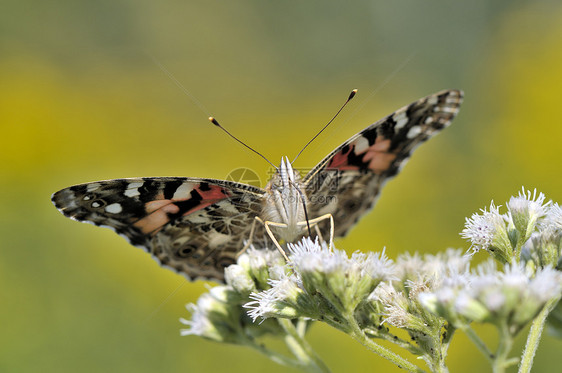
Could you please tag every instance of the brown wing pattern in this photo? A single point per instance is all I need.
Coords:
(194, 226)
(348, 181)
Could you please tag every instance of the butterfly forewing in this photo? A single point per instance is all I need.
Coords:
(348, 181)
(195, 226)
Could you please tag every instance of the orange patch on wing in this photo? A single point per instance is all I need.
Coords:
(160, 209)
(378, 156)
(152, 206)
(156, 220)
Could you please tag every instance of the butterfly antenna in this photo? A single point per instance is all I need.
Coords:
(177, 83)
(351, 95)
(216, 123)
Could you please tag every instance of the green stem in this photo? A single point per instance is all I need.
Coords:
(358, 334)
(471, 334)
(301, 349)
(335, 324)
(535, 336)
(437, 356)
(449, 333)
(500, 361)
(302, 325)
(275, 356)
(512, 361)
(389, 337)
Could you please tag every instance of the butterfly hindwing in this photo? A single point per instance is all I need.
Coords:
(195, 226)
(348, 181)
(198, 226)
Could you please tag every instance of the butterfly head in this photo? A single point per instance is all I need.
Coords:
(285, 203)
(287, 174)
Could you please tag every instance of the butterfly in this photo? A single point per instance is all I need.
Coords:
(197, 226)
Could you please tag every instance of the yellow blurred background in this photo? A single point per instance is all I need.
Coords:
(82, 99)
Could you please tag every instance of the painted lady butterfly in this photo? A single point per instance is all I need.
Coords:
(197, 226)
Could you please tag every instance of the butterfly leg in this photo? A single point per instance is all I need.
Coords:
(251, 236)
(318, 233)
(266, 224)
(317, 220)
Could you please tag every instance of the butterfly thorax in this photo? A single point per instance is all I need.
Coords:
(284, 202)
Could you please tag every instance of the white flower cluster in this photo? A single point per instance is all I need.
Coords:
(417, 275)
(482, 229)
(219, 315)
(368, 296)
(530, 221)
(510, 297)
(321, 283)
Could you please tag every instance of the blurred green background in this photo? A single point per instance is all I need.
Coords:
(81, 99)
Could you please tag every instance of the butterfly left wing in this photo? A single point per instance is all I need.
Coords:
(348, 181)
(194, 226)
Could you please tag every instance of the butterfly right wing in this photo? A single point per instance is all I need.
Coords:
(194, 226)
(348, 181)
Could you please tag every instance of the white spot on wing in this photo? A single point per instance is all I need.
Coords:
(113, 229)
(227, 206)
(198, 219)
(93, 186)
(133, 189)
(216, 239)
(401, 119)
(361, 145)
(135, 185)
(413, 132)
(114, 208)
(183, 191)
(70, 205)
(448, 109)
(402, 164)
(452, 99)
(181, 240)
(432, 100)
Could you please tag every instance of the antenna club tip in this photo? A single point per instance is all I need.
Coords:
(352, 94)
(214, 121)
